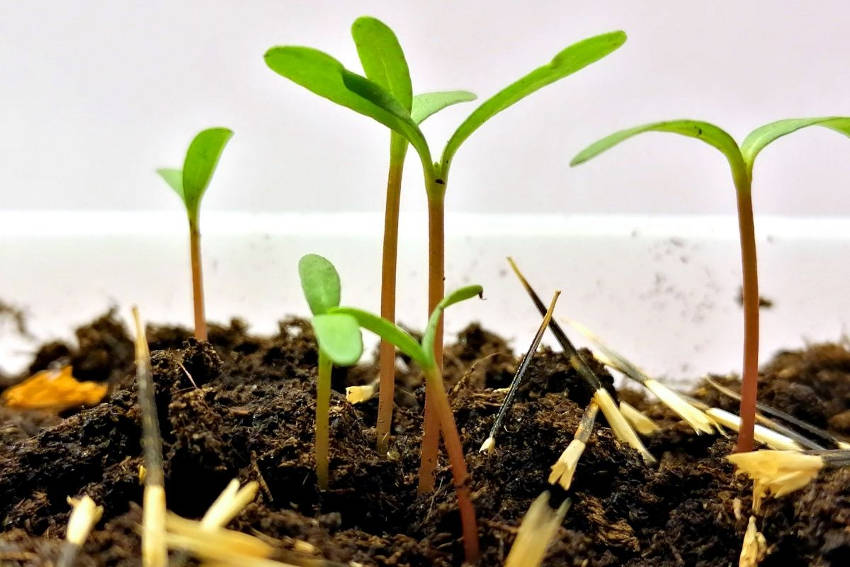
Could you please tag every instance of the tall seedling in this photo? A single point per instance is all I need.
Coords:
(741, 160)
(190, 183)
(339, 341)
(327, 77)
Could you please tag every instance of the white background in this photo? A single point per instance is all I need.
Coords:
(97, 94)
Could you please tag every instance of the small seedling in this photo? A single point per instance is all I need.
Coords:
(154, 551)
(489, 444)
(618, 423)
(565, 467)
(339, 339)
(190, 183)
(538, 527)
(423, 354)
(327, 77)
(741, 160)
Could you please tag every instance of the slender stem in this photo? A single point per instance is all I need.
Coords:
(749, 377)
(323, 397)
(386, 355)
(197, 279)
(454, 448)
(436, 290)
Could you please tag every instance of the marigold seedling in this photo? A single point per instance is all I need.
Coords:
(190, 183)
(423, 354)
(154, 551)
(538, 527)
(327, 77)
(489, 444)
(339, 342)
(741, 160)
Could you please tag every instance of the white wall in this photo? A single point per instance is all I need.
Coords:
(95, 95)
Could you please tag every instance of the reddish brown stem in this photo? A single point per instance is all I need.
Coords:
(197, 280)
(436, 285)
(749, 378)
(442, 409)
(386, 356)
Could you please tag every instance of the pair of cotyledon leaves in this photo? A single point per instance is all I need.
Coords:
(385, 93)
(741, 158)
(198, 167)
(338, 328)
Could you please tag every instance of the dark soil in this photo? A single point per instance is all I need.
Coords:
(243, 407)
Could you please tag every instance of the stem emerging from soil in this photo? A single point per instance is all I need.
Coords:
(749, 378)
(442, 409)
(323, 396)
(197, 279)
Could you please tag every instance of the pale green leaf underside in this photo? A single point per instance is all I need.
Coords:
(387, 331)
(567, 62)
(704, 131)
(759, 138)
(320, 282)
(200, 163)
(325, 76)
(339, 337)
(382, 58)
(427, 104)
(174, 178)
(456, 296)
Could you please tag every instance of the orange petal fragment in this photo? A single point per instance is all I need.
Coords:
(53, 389)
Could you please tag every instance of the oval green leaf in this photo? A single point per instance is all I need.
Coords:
(339, 337)
(382, 58)
(708, 133)
(568, 61)
(456, 296)
(759, 138)
(200, 163)
(427, 104)
(387, 331)
(174, 178)
(320, 282)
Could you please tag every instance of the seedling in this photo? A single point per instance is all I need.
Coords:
(741, 160)
(423, 354)
(154, 551)
(489, 444)
(618, 423)
(538, 527)
(190, 183)
(565, 467)
(327, 77)
(339, 339)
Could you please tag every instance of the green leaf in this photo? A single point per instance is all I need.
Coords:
(567, 62)
(426, 104)
(339, 337)
(387, 331)
(174, 178)
(704, 131)
(325, 76)
(382, 58)
(200, 163)
(320, 282)
(456, 296)
(759, 138)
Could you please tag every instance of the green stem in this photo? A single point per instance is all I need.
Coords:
(442, 409)
(197, 279)
(323, 396)
(749, 377)
(386, 356)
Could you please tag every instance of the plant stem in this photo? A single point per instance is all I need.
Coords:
(386, 355)
(443, 411)
(323, 397)
(436, 290)
(749, 377)
(197, 279)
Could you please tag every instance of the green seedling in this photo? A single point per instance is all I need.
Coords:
(741, 159)
(423, 354)
(339, 339)
(327, 77)
(190, 183)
